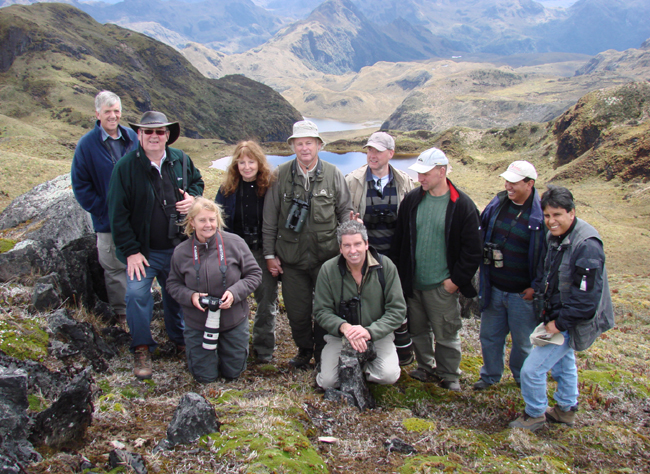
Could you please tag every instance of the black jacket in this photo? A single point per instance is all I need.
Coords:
(462, 237)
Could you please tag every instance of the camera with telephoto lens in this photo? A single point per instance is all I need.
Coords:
(297, 215)
(252, 237)
(348, 310)
(492, 255)
(211, 331)
(383, 216)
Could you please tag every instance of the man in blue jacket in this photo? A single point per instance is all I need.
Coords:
(514, 247)
(92, 165)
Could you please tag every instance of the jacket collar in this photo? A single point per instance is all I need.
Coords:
(453, 192)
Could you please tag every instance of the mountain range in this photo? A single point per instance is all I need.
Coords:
(498, 27)
(54, 58)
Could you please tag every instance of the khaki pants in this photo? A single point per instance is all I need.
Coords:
(435, 315)
(114, 272)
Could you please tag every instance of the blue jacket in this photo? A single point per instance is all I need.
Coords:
(536, 249)
(91, 170)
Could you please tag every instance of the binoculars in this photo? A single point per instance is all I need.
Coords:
(298, 213)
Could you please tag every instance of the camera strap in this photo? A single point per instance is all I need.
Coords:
(223, 265)
(293, 183)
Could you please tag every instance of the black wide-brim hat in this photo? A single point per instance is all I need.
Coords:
(153, 119)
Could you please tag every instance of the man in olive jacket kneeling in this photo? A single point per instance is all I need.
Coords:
(358, 296)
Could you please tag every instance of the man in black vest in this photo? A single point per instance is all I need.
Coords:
(151, 189)
(575, 308)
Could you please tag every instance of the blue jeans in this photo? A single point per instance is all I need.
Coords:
(139, 303)
(561, 361)
(506, 313)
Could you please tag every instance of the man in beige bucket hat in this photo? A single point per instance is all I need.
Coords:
(302, 210)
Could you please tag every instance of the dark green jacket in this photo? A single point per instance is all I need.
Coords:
(131, 197)
(380, 311)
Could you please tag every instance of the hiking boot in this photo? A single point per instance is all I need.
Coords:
(263, 359)
(452, 385)
(302, 358)
(556, 415)
(423, 375)
(142, 367)
(527, 422)
(481, 385)
(180, 350)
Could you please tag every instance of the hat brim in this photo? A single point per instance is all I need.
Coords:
(422, 169)
(174, 129)
(306, 135)
(511, 177)
(376, 146)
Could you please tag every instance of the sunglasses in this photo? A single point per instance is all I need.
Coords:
(149, 131)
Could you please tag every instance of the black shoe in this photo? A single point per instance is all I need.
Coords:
(406, 359)
(302, 358)
(481, 385)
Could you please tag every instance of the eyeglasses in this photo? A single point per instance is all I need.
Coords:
(149, 131)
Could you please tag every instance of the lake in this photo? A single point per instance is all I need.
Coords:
(346, 162)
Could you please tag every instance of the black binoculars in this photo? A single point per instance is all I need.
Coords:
(383, 216)
(298, 213)
(348, 310)
(492, 255)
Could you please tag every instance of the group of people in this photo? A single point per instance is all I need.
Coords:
(369, 257)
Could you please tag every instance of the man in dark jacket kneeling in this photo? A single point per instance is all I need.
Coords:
(358, 296)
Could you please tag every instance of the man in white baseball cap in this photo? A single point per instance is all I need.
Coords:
(437, 250)
(514, 248)
(377, 189)
(302, 210)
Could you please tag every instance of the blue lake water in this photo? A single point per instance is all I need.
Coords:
(350, 161)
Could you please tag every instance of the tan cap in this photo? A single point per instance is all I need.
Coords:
(304, 128)
(381, 141)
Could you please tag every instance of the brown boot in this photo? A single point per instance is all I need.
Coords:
(121, 322)
(142, 367)
(555, 415)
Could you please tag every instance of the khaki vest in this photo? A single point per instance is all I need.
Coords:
(316, 243)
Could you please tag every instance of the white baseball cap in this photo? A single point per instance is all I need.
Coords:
(519, 170)
(428, 160)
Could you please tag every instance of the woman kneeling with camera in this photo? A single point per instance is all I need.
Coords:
(212, 274)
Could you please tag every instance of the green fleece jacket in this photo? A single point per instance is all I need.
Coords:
(131, 198)
(380, 312)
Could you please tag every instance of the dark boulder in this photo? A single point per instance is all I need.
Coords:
(399, 446)
(121, 458)
(64, 424)
(46, 293)
(15, 450)
(54, 234)
(73, 338)
(39, 378)
(193, 418)
(353, 389)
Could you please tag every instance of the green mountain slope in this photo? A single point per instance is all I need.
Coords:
(54, 58)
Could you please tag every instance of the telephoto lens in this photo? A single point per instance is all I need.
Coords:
(211, 331)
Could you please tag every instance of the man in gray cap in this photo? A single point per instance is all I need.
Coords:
(302, 210)
(377, 190)
(150, 191)
(437, 250)
(514, 248)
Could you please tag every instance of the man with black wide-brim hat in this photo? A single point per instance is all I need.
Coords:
(150, 191)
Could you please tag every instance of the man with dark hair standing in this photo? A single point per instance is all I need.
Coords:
(437, 250)
(575, 308)
(302, 210)
(92, 165)
(514, 247)
(150, 190)
(377, 189)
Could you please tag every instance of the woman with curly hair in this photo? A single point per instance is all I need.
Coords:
(242, 197)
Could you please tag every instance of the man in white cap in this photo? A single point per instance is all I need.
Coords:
(377, 190)
(514, 247)
(437, 250)
(302, 210)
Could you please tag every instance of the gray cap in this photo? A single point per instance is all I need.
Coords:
(428, 160)
(303, 129)
(381, 141)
